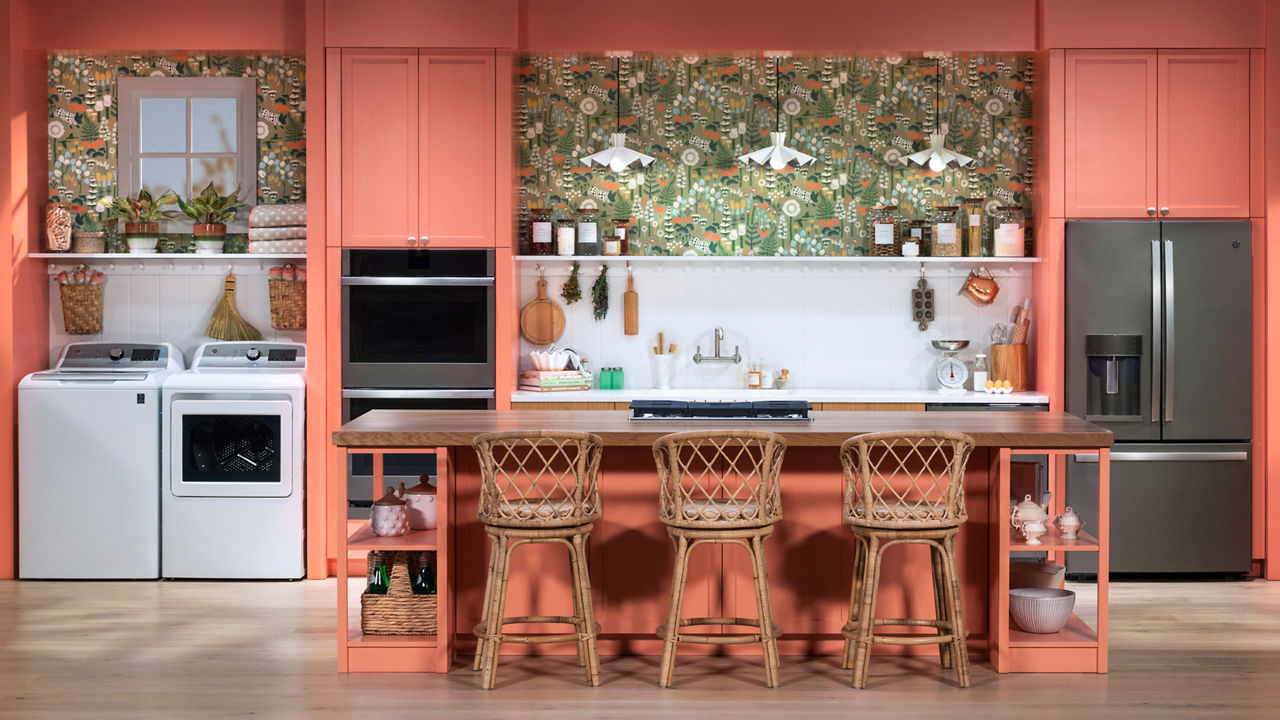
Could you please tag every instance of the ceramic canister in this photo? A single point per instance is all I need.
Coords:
(420, 502)
(389, 518)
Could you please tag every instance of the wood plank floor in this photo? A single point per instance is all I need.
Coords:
(194, 649)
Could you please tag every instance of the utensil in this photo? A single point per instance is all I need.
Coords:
(542, 320)
(981, 286)
(630, 307)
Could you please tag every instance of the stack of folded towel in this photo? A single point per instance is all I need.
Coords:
(278, 228)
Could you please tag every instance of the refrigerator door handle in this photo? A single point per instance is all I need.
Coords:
(1157, 312)
(1170, 325)
(1231, 456)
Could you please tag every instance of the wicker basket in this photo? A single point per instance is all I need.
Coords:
(81, 309)
(288, 304)
(399, 612)
(84, 241)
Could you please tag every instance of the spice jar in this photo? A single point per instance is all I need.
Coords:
(588, 232)
(971, 226)
(540, 232)
(918, 238)
(944, 225)
(620, 229)
(886, 236)
(565, 236)
(1010, 239)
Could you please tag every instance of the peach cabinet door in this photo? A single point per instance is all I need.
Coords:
(1111, 133)
(457, 173)
(379, 147)
(1204, 133)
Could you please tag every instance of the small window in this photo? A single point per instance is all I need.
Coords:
(180, 134)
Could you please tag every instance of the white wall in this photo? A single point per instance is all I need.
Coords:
(158, 300)
(835, 325)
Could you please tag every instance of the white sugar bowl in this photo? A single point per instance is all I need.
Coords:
(1069, 524)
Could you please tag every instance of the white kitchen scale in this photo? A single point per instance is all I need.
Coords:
(950, 371)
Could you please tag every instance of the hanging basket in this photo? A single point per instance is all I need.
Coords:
(81, 309)
(400, 611)
(288, 304)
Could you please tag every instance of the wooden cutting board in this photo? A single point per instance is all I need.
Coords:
(630, 309)
(542, 320)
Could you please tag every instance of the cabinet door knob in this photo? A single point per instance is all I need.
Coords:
(413, 240)
(1164, 211)
(1151, 211)
(424, 240)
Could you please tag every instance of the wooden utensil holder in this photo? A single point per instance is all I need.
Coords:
(1009, 362)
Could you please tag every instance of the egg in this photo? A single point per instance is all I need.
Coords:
(1008, 384)
(990, 384)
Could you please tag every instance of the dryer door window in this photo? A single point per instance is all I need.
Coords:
(231, 448)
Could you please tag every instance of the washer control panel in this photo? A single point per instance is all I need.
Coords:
(251, 356)
(99, 356)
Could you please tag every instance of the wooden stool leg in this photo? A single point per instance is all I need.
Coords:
(666, 671)
(941, 609)
(867, 612)
(490, 646)
(959, 648)
(859, 562)
(488, 598)
(764, 611)
(575, 591)
(489, 666)
(583, 591)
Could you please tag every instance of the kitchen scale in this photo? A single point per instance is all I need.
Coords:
(950, 371)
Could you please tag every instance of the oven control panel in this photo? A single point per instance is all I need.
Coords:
(251, 356)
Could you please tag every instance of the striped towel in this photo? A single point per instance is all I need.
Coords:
(294, 232)
(264, 216)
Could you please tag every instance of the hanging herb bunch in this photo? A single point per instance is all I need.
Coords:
(572, 291)
(600, 295)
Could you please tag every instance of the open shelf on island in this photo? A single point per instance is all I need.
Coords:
(1075, 634)
(364, 539)
(356, 637)
(1051, 542)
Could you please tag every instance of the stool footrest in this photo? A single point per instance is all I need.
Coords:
(535, 639)
(728, 639)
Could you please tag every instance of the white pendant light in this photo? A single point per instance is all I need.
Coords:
(618, 157)
(777, 155)
(937, 156)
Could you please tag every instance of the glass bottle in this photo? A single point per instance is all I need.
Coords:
(540, 232)
(945, 226)
(979, 373)
(1010, 239)
(753, 376)
(621, 228)
(565, 236)
(588, 232)
(972, 226)
(886, 235)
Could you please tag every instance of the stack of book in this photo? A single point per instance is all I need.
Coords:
(554, 380)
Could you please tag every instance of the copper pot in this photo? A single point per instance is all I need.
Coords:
(980, 286)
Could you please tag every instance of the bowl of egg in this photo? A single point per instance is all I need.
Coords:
(998, 387)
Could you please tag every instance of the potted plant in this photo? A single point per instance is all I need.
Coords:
(142, 216)
(211, 213)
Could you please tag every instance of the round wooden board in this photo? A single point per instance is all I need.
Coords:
(542, 320)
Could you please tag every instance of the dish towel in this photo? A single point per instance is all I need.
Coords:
(265, 216)
(293, 232)
(278, 246)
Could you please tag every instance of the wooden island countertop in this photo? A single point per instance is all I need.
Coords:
(445, 428)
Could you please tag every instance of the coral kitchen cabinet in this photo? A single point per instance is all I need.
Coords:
(417, 148)
(1157, 134)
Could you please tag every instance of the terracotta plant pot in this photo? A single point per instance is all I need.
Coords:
(209, 237)
(142, 238)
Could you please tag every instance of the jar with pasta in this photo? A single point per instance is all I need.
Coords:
(944, 224)
(971, 226)
(886, 233)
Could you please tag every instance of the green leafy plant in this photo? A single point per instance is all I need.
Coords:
(210, 208)
(143, 209)
(600, 295)
(572, 289)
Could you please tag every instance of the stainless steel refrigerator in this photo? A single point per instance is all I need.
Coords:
(1159, 351)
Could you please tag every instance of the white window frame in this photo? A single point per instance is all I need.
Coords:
(131, 92)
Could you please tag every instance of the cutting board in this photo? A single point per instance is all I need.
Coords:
(630, 309)
(542, 320)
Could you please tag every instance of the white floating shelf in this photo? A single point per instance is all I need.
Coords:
(677, 259)
(192, 257)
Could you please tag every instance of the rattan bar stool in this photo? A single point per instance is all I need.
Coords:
(719, 487)
(537, 487)
(905, 488)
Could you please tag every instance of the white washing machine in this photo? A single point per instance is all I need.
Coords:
(89, 462)
(232, 498)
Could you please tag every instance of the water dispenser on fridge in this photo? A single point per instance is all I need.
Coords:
(1114, 387)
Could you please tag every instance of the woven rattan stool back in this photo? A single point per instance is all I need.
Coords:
(719, 479)
(538, 478)
(905, 480)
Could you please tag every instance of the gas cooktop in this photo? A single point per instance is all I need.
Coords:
(757, 410)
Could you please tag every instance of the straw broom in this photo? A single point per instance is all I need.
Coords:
(226, 323)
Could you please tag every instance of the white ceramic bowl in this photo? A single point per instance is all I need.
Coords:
(1041, 610)
(1035, 575)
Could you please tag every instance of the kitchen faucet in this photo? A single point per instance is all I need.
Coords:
(736, 357)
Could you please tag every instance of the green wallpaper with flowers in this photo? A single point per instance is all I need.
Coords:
(82, 120)
(858, 115)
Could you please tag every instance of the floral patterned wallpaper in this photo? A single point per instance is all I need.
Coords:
(858, 115)
(82, 120)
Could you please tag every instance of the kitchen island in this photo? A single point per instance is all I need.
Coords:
(810, 554)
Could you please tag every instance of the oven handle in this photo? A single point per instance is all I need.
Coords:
(419, 281)
(1201, 456)
(397, 393)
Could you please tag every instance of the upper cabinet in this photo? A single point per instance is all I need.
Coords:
(1157, 134)
(418, 139)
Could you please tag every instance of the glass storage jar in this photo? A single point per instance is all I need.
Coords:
(916, 241)
(971, 226)
(588, 232)
(944, 224)
(565, 236)
(886, 235)
(1010, 238)
(540, 232)
(621, 226)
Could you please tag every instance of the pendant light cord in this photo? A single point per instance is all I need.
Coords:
(617, 101)
(937, 92)
(777, 97)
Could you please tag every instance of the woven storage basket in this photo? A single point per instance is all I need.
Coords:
(399, 612)
(81, 309)
(288, 304)
(88, 242)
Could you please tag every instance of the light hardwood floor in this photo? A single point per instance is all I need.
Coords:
(193, 649)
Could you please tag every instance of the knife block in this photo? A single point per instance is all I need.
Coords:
(1009, 362)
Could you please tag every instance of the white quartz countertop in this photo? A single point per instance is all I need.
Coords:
(816, 395)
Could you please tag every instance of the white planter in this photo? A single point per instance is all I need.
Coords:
(209, 247)
(142, 245)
